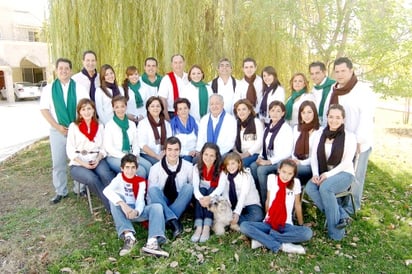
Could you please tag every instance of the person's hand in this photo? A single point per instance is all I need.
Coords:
(62, 129)
(235, 219)
(129, 212)
(315, 179)
(205, 201)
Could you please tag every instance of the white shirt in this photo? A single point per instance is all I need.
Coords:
(147, 89)
(113, 139)
(278, 95)
(317, 93)
(282, 145)
(296, 134)
(131, 103)
(146, 135)
(166, 88)
(83, 80)
(296, 104)
(191, 93)
(241, 91)
(227, 91)
(188, 142)
(252, 144)
(198, 183)
(104, 104)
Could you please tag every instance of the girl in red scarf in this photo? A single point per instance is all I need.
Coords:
(277, 231)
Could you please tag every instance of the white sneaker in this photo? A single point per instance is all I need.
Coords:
(152, 248)
(129, 242)
(292, 248)
(256, 244)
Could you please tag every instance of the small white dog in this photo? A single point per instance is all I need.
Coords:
(222, 215)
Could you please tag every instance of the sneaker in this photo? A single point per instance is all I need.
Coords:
(152, 248)
(292, 248)
(344, 222)
(256, 244)
(129, 242)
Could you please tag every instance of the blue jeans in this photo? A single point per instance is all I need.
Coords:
(153, 213)
(188, 158)
(59, 161)
(172, 210)
(252, 213)
(148, 158)
(96, 179)
(260, 174)
(142, 170)
(202, 215)
(324, 198)
(272, 239)
(304, 174)
(249, 160)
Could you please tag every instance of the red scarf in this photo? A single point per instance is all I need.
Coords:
(277, 211)
(94, 126)
(135, 181)
(174, 84)
(208, 176)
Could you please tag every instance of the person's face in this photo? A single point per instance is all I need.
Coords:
(224, 69)
(298, 83)
(317, 75)
(286, 173)
(249, 69)
(89, 62)
(86, 112)
(307, 115)
(335, 119)
(232, 166)
(172, 153)
(209, 157)
(196, 75)
(133, 78)
(343, 74)
(155, 108)
(178, 64)
(150, 68)
(129, 170)
(119, 108)
(109, 76)
(182, 110)
(242, 112)
(268, 78)
(216, 106)
(63, 72)
(276, 113)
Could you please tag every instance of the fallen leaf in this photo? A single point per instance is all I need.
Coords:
(408, 262)
(109, 272)
(391, 226)
(355, 239)
(188, 229)
(317, 268)
(236, 257)
(66, 270)
(353, 244)
(112, 260)
(214, 250)
(200, 258)
(222, 267)
(174, 264)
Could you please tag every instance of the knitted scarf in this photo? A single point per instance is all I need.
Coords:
(266, 90)
(212, 135)
(302, 143)
(170, 190)
(178, 127)
(92, 90)
(232, 189)
(124, 126)
(277, 212)
(159, 139)
(291, 101)
(131, 187)
(156, 83)
(137, 96)
(203, 97)
(174, 85)
(338, 147)
(114, 88)
(251, 91)
(65, 114)
(89, 133)
(274, 131)
(343, 90)
(325, 87)
(208, 175)
(135, 181)
(250, 128)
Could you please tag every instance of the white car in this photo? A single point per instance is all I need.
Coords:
(23, 90)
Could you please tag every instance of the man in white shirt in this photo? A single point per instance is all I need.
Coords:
(225, 84)
(58, 104)
(172, 84)
(150, 79)
(170, 184)
(88, 77)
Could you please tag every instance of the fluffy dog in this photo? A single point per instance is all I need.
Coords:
(222, 214)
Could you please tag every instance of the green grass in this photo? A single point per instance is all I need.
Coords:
(38, 237)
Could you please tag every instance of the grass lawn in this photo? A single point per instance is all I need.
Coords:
(36, 237)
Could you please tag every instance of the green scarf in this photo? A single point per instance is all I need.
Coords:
(291, 100)
(124, 125)
(325, 92)
(65, 114)
(137, 96)
(203, 97)
(156, 83)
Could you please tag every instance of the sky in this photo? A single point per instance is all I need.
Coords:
(37, 7)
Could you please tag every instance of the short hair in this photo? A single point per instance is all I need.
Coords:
(343, 60)
(175, 55)
(119, 98)
(181, 101)
(151, 99)
(63, 60)
(249, 59)
(338, 107)
(319, 64)
(224, 59)
(277, 103)
(172, 141)
(128, 158)
(247, 103)
(217, 96)
(193, 67)
(150, 59)
(89, 52)
(311, 104)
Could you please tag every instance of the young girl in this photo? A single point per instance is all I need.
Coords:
(206, 185)
(277, 231)
(240, 190)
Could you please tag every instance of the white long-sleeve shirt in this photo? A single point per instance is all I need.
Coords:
(241, 91)
(158, 176)
(113, 139)
(131, 103)
(227, 91)
(146, 135)
(191, 93)
(296, 134)
(253, 146)
(282, 145)
(278, 95)
(296, 104)
(166, 88)
(104, 104)
(198, 183)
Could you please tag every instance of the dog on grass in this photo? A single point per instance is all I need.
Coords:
(222, 215)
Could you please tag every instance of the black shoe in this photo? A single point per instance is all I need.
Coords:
(83, 193)
(56, 199)
(176, 226)
(344, 222)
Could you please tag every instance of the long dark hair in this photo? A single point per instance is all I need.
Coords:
(103, 84)
(216, 164)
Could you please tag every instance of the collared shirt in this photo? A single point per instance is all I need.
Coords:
(166, 88)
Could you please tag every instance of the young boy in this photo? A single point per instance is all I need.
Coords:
(126, 194)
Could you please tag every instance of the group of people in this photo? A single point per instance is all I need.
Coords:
(152, 145)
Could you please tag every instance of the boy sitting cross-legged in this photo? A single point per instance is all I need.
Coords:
(126, 194)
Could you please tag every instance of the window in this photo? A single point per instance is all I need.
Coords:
(33, 36)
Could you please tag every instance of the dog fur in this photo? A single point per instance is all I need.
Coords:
(222, 215)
